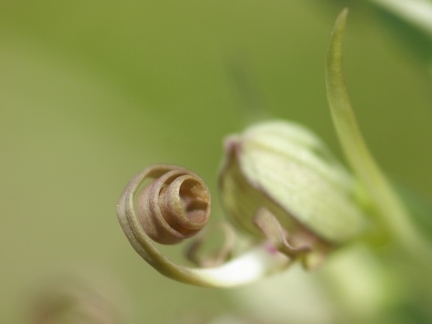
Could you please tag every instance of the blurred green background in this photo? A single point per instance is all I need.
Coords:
(91, 92)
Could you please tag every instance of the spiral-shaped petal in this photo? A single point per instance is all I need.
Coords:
(173, 206)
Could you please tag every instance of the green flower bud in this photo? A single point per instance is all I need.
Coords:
(286, 169)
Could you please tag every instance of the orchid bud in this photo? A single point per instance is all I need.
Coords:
(280, 184)
(287, 170)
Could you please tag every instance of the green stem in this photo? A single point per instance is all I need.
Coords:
(389, 208)
(416, 12)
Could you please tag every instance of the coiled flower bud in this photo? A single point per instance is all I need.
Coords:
(175, 205)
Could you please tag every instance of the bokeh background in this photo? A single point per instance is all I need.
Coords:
(91, 92)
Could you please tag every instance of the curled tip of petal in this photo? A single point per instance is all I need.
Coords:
(165, 228)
